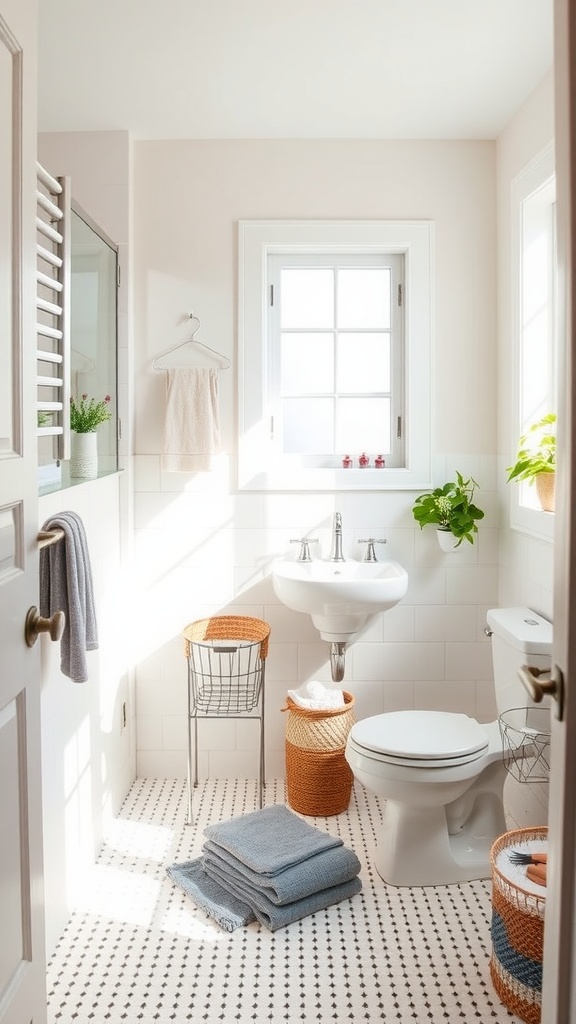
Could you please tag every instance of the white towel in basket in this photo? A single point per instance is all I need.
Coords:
(317, 697)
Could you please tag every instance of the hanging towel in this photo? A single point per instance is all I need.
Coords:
(192, 426)
(66, 584)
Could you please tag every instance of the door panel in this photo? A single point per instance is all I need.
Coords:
(22, 957)
(559, 986)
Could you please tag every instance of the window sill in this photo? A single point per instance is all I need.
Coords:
(531, 521)
(285, 478)
(67, 481)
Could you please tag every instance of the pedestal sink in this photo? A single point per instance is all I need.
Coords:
(339, 595)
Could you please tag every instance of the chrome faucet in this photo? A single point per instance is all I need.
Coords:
(336, 553)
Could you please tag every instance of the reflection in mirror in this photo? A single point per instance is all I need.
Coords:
(93, 341)
(93, 315)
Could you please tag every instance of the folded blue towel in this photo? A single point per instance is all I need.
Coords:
(273, 916)
(323, 870)
(216, 901)
(270, 840)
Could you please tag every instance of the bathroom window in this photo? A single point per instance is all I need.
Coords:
(336, 366)
(334, 336)
(534, 209)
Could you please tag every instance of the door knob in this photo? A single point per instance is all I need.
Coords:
(539, 687)
(36, 623)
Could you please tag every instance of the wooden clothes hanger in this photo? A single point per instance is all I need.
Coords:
(225, 362)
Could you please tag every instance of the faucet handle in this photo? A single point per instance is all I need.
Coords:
(304, 542)
(370, 555)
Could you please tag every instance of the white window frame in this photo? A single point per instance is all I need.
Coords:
(536, 175)
(395, 263)
(259, 466)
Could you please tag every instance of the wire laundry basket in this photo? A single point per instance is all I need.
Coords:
(226, 657)
(525, 736)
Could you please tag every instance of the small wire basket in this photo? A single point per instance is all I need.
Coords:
(226, 676)
(526, 743)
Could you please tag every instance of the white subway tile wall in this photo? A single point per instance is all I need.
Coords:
(201, 549)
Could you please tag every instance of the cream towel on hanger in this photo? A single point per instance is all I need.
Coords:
(192, 426)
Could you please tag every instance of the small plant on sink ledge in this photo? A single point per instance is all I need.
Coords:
(536, 460)
(451, 510)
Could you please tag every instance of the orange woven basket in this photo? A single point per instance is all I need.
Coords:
(517, 934)
(318, 777)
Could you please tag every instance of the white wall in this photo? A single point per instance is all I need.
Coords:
(525, 562)
(201, 546)
(88, 757)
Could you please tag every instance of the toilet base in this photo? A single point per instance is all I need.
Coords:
(415, 847)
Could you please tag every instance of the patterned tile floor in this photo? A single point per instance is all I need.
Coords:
(138, 949)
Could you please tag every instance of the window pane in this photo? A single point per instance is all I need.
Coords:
(363, 425)
(307, 297)
(536, 369)
(364, 297)
(363, 362)
(307, 363)
(308, 425)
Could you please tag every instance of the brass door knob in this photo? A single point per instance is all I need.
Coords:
(539, 686)
(36, 623)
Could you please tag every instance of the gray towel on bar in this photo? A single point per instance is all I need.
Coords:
(272, 916)
(332, 867)
(216, 901)
(270, 840)
(66, 585)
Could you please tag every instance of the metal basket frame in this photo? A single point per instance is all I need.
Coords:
(525, 745)
(226, 657)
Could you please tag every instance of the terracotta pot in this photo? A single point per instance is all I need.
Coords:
(546, 491)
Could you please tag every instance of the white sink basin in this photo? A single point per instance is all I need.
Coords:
(339, 595)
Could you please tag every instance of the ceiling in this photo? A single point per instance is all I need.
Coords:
(290, 68)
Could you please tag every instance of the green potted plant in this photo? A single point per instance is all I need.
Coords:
(536, 460)
(88, 413)
(451, 510)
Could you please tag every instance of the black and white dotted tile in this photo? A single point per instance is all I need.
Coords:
(139, 951)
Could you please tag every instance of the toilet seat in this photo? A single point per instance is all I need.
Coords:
(424, 739)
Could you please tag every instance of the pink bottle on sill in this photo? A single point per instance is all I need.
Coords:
(347, 462)
(364, 461)
(379, 462)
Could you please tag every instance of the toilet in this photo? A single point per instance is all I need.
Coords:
(443, 774)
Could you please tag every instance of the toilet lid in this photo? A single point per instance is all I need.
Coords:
(422, 736)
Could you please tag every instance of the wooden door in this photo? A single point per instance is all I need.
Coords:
(22, 956)
(559, 986)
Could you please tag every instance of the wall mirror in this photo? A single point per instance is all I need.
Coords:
(91, 367)
(93, 325)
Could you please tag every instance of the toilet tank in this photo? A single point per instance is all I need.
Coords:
(519, 637)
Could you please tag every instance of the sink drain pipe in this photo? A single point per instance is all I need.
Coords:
(337, 661)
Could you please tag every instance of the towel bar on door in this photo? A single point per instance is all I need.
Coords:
(46, 537)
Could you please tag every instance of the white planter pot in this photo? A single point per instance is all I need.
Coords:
(447, 540)
(84, 455)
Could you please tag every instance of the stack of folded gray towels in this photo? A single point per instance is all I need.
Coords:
(270, 866)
